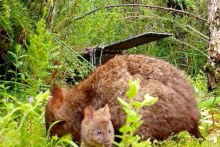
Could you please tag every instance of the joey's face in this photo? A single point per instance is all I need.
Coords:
(96, 128)
(101, 133)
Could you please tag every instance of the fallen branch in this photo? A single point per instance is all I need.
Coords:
(138, 5)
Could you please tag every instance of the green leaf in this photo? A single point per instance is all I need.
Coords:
(19, 64)
(149, 100)
(122, 102)
(124, 129)
(126, 109)
(210, 102)
(42, 96)
(22, 56)
(13, 54)
(9, 106)
(68, 141)
(136, 124)
(12, 125)
(26, 106)
(134, 86)
(133, 116)
(137, 104)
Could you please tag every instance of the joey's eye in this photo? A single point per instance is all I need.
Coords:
(99, 132)
(109, 131)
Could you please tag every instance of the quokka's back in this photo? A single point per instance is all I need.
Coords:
(175, 111)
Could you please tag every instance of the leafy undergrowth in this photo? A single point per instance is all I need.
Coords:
(22, 122)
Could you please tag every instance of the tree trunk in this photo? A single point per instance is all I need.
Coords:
(213, 66)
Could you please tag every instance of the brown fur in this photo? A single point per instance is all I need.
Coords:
(175, 111)
(96, 128)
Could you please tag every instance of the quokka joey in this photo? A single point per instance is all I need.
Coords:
(96, 128)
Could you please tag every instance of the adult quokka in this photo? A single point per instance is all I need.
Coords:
(175, 111)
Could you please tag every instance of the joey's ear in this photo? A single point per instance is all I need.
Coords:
(106, 111)
(89, 112)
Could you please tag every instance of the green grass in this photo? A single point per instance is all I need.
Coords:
(35, 58)
(22, 125)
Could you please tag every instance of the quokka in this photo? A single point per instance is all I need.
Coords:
(175, 111)
(96, 128)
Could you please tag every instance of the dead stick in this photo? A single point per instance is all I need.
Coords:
(139, 5)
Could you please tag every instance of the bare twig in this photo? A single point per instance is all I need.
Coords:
(138, 5)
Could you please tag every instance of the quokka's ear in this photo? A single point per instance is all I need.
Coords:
(106, 111)
(58, 96)
(89, 112)
(59, 93)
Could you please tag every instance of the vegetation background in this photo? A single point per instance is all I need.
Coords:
(41, 42)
